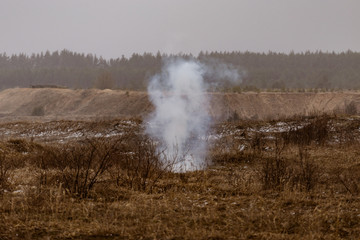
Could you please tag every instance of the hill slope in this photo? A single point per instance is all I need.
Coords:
(19, 103)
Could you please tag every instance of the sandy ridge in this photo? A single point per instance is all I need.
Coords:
(17, 103)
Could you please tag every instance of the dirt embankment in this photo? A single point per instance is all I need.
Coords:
(50, 103)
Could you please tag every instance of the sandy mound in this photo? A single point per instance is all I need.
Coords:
(66, 103)
(20, 103)
(277, 105)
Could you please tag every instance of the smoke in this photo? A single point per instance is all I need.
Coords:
(181, 119)
(220, 74)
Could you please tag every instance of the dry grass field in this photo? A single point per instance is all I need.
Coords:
(295, 178)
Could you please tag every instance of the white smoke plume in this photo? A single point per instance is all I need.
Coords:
(181, 120)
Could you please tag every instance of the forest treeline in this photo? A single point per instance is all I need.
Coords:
(257, 70)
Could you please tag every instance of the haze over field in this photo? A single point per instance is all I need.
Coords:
(114, 28)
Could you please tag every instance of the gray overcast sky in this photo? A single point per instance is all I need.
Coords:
(111, 28)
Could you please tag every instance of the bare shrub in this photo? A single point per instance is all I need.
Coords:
(130, 160)
(275, 171)
(306, 173)
(257, 143)
(240, 147)
(45, 159)
(317, 131)
(139, 167)
(82, 164)
(5, 167)
(278, 172)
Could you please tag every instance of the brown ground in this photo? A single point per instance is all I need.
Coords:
(313, 193)
(287, 179)
(19, 103)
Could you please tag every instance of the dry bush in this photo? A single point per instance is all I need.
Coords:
(239, 147)
(5, 167)
(275, 172)
(306, 173)
(222, 202)
(81, 165)
(130, 160)
(139, 167)
(231, 150)
(278, 172)
(225, 149)
(46, 159)
(317, 131)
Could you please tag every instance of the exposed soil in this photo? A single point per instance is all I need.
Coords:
(20, 103)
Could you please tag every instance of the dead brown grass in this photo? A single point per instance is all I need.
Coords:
(261, 185)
